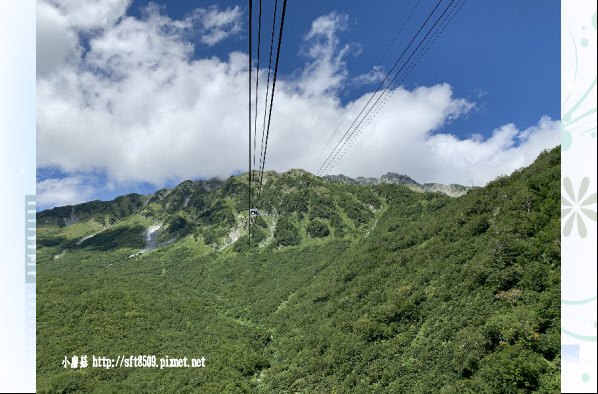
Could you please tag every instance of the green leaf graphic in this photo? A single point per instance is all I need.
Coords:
(565, 212)
(568, 226)
(565, 202)
(589, 213)
(581, 227)
(589, 201)
(583, 188)
(569, 188)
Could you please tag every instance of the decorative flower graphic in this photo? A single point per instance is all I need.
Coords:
(572, 207)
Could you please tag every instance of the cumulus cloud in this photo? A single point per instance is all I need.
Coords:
(56, 41)
(138, 107)
(64, 191)
(375, 75)
(327, 70)
(218, 25)
(152, 46)
(88, 15)
(412, 148)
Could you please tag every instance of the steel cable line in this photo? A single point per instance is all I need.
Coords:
(257, 79)
(340, 147)
(249, 74)
(363, 89)
(397, 35)
(414, 63)
(268, 82)
(284, 7)
(381, 84)
(344, 141)
(353, 136)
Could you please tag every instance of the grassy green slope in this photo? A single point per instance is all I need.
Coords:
(363, 289)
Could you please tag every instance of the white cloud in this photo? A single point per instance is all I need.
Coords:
(66, 191)
(426, 157)
(327, 70)
(218, 25)
(138, 107)
(87, 15)
(375, 75)
(152, 46)
(55, 41)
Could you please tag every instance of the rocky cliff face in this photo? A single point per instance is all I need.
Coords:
(452, 190)
(399, 179)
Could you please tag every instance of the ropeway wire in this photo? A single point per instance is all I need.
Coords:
(249, 74)
(414, 63)
(347, 111)
(341, 145)
(284, 7)
(257, 79)
(379, 86)
(268, 83)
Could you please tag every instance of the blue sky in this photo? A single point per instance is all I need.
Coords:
(132, 97)
(509, 50)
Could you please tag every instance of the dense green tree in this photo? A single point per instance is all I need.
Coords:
(317, 229)
(286, 233)
(415, 292)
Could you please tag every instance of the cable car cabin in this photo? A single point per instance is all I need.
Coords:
(254, 212)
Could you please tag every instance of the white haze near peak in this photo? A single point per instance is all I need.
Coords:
(141, 104)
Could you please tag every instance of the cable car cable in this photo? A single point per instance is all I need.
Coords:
(249, 74)
(257, 79)
(420, 55)
(348, 111)
(268, 82)
(391, 82)
(284, 6)
(381, 84)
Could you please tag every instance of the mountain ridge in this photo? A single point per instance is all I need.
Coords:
(209, 185)
(452, 190)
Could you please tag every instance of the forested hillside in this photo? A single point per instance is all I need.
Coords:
(343, 288)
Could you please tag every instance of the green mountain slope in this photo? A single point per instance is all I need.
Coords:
(344, 288)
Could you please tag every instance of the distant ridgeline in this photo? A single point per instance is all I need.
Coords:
(364, 285)
(187, 192)
(452, 190)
